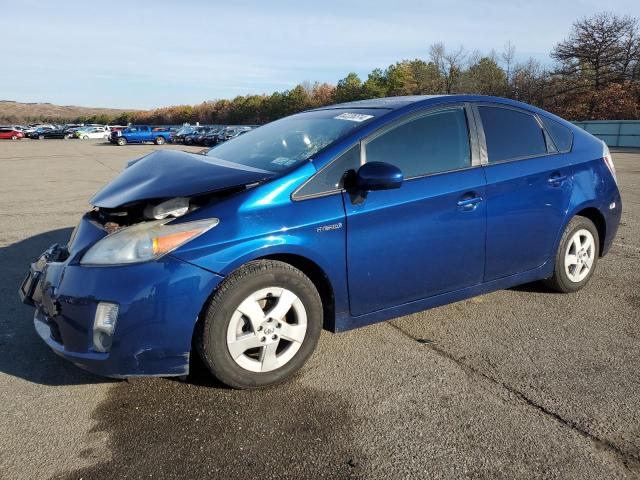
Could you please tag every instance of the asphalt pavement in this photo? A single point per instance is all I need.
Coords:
(520, 383)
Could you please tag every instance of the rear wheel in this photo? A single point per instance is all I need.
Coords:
(122, 141)
(576, 257)
(159, 141)
(261, 325)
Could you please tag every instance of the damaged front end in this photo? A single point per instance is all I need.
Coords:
(101, 317)
(115, 290)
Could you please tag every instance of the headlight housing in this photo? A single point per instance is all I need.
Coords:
(144, 241)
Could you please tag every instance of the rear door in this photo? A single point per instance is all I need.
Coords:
(528, 190)
(428, 236)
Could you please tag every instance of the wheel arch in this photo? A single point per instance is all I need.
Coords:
(318, 277)
(598, 219)
(307, 266)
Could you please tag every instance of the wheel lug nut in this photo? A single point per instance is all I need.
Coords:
(263, 339)
(279, 325)
(269, 321)
(275, 337)
(260, 328)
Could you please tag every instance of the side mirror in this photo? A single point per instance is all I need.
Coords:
(378, 176)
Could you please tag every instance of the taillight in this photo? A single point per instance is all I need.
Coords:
(608, 160)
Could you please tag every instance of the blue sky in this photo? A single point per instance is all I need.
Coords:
(143, 54)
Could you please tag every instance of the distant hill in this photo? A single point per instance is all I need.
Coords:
(17, 112)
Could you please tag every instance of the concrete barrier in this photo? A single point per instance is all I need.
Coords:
(615, 133)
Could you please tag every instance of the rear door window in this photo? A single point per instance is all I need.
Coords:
(511, 134)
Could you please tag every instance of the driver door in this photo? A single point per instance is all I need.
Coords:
(427, 237)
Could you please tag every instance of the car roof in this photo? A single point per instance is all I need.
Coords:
(391, 103)
(415, 102)
(396, 103)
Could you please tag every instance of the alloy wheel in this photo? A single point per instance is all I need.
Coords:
(579, 256)
(267, 329)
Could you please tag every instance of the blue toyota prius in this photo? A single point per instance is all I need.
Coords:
(333, 218)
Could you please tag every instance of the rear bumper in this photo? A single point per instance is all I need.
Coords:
(613, 213)
(159, 303)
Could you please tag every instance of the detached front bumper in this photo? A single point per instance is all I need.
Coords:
(159, 303)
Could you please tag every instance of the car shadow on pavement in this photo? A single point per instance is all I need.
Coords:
(22, 353)
(534, 287)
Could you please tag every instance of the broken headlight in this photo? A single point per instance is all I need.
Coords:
(144, 241)
(176, 207)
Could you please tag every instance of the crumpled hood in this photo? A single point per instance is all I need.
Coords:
(172, 173)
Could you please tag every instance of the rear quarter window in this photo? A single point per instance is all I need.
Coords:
(511, 134)
(562, 136)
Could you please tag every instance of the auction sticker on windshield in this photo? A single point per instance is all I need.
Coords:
(354, 117)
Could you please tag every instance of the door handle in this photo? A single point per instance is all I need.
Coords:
(556, 179)
(467, 204)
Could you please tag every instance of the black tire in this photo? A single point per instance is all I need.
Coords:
(159, 141)
(560, 281)
(121, 141)
(210, 339)
(187, 141)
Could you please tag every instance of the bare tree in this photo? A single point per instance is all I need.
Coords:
(449, 63)
(508, 56)
(307, 86)
(630, 57)
(595, 49)
(529, 82)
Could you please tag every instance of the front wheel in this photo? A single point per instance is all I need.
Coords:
(159, 140)
(576, 257)
(122, 141)
(14, 137)
(261, 325)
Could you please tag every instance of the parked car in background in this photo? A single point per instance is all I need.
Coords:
(46, 133)
(141, 134)
(71, 131)
(206, 135)
(87, 133)
(195, 135)
(18, 128)
(182, 132)
(10, 133)
(210, 138)
(32, 128)
(231, 132)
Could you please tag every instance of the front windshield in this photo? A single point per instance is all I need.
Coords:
(284, 143)
(184, 130)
